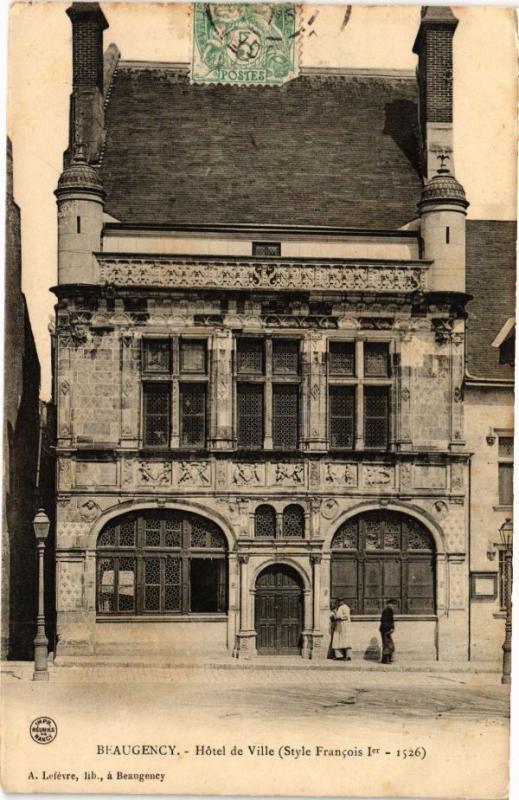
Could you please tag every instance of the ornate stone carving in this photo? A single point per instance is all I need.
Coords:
(127, 471)
(158, 473)
(341, 474)
(64, 387)
(242, 274)
(456, 475)
(246, 474)
(89, 510)
(405, 395)
(65, 473)
(289, 473)
(441, 508)
(314, 473)
(70, 585)
(196, 472)
(378, 475)
(406, 474)
(315, 391)
(329, 508)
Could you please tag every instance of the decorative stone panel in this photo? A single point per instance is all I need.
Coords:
(248, 474)
(95, 473)
(430, 476)
(242, 274)
(338, 475)
(378, 476)
(70, 585)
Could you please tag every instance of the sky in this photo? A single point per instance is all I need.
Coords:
(39, 85)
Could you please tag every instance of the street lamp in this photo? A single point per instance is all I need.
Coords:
(41, 527)
(506, 532)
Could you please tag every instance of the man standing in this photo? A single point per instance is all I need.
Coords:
(387, 626)
(341, 631)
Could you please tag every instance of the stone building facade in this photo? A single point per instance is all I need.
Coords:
(260, 359)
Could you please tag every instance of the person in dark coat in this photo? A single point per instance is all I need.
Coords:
(387, 626)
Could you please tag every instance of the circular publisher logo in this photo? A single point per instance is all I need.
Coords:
(43, 730)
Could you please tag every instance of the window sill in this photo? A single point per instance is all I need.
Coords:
(499, 615)
(502, 508)
(105, 618)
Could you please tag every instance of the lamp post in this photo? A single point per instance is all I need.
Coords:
(506, 532)
(41, 527)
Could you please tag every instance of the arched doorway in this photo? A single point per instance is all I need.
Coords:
(153, 563)
(382, 555)
(279, 611)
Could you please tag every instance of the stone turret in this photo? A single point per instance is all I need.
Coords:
(80, 198)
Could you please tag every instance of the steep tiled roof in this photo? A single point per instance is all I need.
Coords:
(327, 149)
(491, 280)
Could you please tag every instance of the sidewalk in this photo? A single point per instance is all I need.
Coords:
(22, 670)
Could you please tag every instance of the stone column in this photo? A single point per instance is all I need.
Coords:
(306, 651)
(314, 393)
(359, 395)
(457, 438)
(246, 645)
(64, 421)
(130, 392)
(402, 414)
(221, 427)
(317, 635)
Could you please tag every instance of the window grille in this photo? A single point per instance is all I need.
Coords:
(192, 415)
(155, 576)
(293, 522)
(506, 470)
(266, 248)
(192, 355)
(376, 359)
(285, 416)
(285, 357)
(157, 409)
(342, 358)
(250, 356)
(376, 416)
(342, 416)
(250, 415)
(265, 522)
(157, 355)
(379, 556)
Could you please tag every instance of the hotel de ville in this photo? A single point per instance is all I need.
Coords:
(274, 346)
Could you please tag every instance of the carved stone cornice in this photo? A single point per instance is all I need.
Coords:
(251, 274)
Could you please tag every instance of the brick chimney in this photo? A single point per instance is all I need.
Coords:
(86, 103)
(433, 45)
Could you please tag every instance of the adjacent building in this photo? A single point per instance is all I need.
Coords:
(261, 360)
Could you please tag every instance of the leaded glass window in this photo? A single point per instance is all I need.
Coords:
(376, 359)
(144, 565)
(506, 470)
(157, 355)
(192, 415)
(285, 357)
(342, 416)
(250, 415)
(157, 412)
(192, 355)
(250, 356)
(342, 358)
(383, 555)
(293, 522)
(265, 522)
(285, 415)
(376, 416)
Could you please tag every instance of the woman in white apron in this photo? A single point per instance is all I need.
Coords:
(341, 631)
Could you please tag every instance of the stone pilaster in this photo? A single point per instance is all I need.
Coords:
(65, 388)
(246, 638)
(130, 394)
(457, 438)
(221, 427)
(314, 393)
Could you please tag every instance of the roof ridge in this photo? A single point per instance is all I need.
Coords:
(305, 71)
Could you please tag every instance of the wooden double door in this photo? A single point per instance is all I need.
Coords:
(279, 611)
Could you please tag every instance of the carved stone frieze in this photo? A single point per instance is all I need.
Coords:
(378, 475)
(340, 474)
(197, 473)
(329, 508)
(289, 473)
(245, 274)
(248, 474)
(156, 473)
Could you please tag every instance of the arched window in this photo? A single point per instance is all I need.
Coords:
(164, 562)
(293, 522)
(382, 555)
(264, 522)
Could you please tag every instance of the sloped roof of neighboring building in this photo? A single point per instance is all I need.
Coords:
(335, 149)
(491, 256)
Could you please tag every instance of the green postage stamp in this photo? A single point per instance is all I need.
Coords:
(244, 44)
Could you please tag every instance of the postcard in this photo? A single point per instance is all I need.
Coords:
(258, 399)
